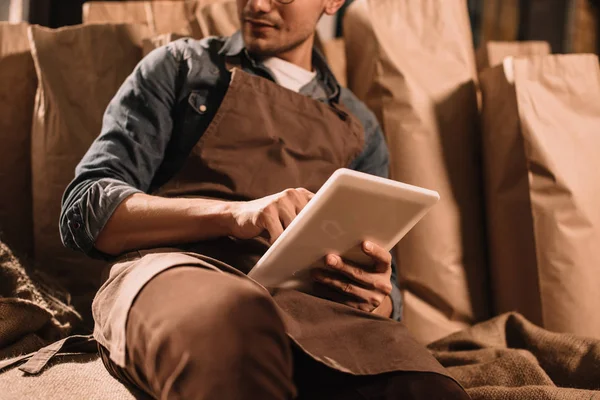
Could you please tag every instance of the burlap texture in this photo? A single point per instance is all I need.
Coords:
(541, 119)
(509, 358)
(33, 312)
(416, 71)
(17, 93)
(79, 70)
(68, 377)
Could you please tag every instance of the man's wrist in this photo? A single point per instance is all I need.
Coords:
(214, 213)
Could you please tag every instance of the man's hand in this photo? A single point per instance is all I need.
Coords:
(362, 287)
(267, 216)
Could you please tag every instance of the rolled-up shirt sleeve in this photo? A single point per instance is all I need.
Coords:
(136, 129)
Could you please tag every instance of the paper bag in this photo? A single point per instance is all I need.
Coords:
(218, 19)
(491, 54)
(79, 70)
(500, 20)
(582, 27)
(541, 140)
(412, 62)
(335, 52)
(160, 16)
(155, 42)
(18, 83)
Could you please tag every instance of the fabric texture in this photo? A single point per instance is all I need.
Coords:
(289, 75)
(509, 358)
(79, 69)
(68, 377)
(541, 118)
(33, 310)
(417, 72)
(17, 94)
(168, 318)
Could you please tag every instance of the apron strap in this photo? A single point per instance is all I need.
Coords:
(37, 360)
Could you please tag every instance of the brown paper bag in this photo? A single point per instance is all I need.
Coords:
(160, 16)
(500, 20)
(491, 54)
(416, 71)
(18, 83)
(541, 140)
(582, 27)
(218, 19)
(79, 70)
(335, 52)
(149, 44)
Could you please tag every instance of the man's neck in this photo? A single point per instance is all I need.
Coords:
(300, 55)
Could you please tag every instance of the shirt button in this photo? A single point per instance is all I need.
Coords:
(202, 108)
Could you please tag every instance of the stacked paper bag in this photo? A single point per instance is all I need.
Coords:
(493, 53)
(17, 93)
(541, 137)
(413, 64)
(79, 70)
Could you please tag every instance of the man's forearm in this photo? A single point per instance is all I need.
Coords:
(144, 221)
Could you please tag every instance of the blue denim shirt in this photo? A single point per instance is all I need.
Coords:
(145, 133)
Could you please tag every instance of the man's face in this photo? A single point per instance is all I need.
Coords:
(270, 27)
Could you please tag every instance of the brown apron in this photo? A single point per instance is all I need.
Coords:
(262, 140)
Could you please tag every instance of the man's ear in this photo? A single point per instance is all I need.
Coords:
(332, 6)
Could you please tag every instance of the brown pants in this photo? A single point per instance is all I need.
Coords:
(198, 334)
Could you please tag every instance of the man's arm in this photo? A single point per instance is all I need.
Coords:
(120, 164)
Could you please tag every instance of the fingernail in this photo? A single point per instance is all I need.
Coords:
(368, 246)
(332, 260)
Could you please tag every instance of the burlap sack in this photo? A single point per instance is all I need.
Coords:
(160, 16)
(491, 54)
(17, 92)
(79, 70)
(541, 120)
(413, 64)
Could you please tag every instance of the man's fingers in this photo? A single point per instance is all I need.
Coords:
(307, 193)
(369, 280)
(383, 258)
(349, 288)
(272, 223)
(287, 213)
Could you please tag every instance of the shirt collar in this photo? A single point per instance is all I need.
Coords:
(234, 46)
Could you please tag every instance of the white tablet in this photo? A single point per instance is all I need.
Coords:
(350, 207)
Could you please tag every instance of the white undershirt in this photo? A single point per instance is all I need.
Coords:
(289, 75)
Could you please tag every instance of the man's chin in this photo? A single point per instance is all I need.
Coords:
(260, 46)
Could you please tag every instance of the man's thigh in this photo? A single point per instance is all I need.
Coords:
(212, 319)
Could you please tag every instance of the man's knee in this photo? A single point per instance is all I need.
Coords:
(214, 323)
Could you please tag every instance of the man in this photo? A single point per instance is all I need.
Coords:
(207, 153)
